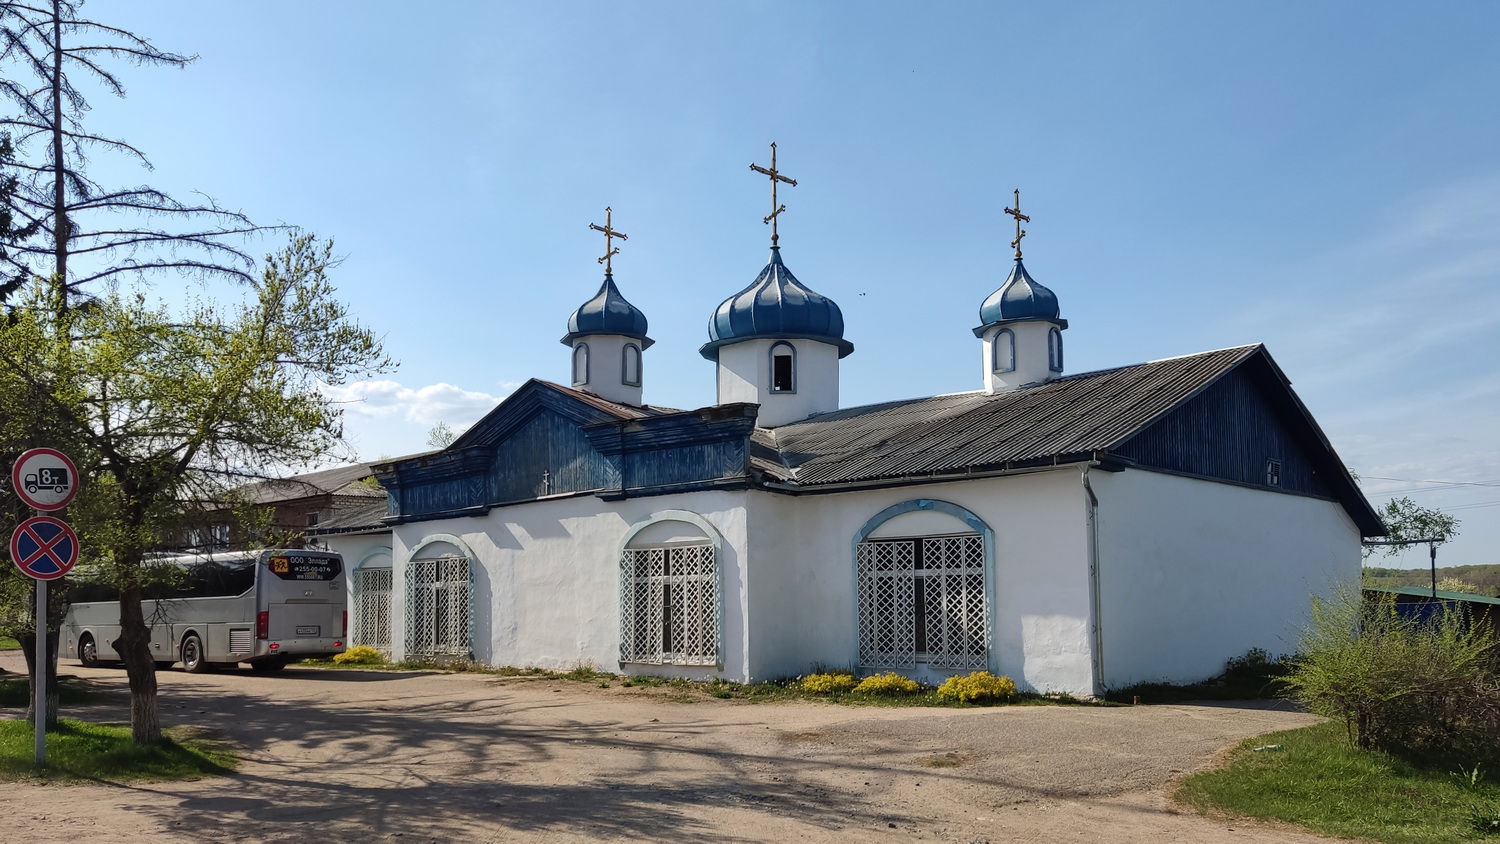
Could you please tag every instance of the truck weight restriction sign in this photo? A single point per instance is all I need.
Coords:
(45, 479)
(44, 548)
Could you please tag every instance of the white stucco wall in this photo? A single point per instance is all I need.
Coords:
(1032, 361)
(1194, 572)
(546, 579)
(802, 588)
(607, 368)
(744, 374)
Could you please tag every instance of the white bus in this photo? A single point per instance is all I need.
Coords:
(266, 608)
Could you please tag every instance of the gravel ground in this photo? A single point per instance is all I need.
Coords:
(414, 757)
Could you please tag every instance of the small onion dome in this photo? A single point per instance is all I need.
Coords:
(608, 313)
(776, 306)
(1019, 298)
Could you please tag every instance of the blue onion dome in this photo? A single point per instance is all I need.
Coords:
(1021, 297)
(608, 313)
(778, 306)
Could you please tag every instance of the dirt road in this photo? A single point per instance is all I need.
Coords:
(404, 757)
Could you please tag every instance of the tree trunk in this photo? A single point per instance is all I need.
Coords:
(28, 643)
(61, 228)
(134, 647)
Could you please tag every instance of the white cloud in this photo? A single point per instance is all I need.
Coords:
(429, 405)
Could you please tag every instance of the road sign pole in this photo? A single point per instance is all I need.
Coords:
(39, 683)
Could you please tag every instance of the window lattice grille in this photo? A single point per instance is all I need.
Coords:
(669, 606)
(372, 609)
(923, 600)
(437, 600)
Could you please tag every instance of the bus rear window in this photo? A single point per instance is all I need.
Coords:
(300, 567)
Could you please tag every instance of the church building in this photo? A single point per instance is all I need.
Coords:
(1075, 531)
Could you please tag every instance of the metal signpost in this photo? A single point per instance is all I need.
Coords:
(44, 549)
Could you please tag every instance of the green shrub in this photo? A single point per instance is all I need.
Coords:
(829, 683)
(360, 655)
(889, 684)
(1398, 682)
(978, 687)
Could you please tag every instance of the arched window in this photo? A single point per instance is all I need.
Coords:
(580, 364)
(1005, 351)
(669, 591)
(630, 365)
(923, 596)
(1054, 350)
(439, 585)
(372, 602)
(783, 368)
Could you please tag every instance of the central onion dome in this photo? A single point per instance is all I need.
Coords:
(608, 313)
(1020, 297)
(776, 306)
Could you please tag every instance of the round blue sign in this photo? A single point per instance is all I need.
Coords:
(44, 548)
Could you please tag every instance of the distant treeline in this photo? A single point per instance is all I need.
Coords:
(1486, 578)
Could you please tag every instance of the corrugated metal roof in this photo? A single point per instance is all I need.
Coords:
(1076, 414)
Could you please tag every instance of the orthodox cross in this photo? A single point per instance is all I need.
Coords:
(609, 235)
(546, 482)
(776, 176)
(1020, 232)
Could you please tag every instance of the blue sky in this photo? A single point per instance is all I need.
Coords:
(1320, 177)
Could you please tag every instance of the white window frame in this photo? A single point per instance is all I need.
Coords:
(791, 352)
(1054, 350)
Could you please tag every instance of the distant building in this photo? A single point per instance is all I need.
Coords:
(1077, 532)
(298, 505)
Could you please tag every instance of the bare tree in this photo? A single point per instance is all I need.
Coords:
(69, 228)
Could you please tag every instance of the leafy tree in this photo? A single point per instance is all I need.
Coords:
(164, 411)
(69, 228)
(1406, 521)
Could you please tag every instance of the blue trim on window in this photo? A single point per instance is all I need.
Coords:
(625, 365)
(714, 537)
(936, 505)
(581, 350)
(1008, 338)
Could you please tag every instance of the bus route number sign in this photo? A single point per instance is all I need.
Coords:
(45, 479)
(296, 567)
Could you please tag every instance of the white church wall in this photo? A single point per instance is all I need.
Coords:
(744, 374)
(1194, 572)
(802, 574)
(547, 581)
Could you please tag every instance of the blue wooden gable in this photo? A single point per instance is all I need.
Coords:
(546, 440)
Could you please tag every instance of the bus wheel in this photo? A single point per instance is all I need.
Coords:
(88, 652)
(192, 654)
(268, 666)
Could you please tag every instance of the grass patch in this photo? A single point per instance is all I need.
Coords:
(1320, 781)
(9, 644)
(16, 691)
(78, 750)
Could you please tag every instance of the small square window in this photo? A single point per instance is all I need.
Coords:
(312, 519)
(1273, 472)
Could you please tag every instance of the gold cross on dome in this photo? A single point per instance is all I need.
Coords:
(609, 235)
(1020, 232)
(776, 176)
